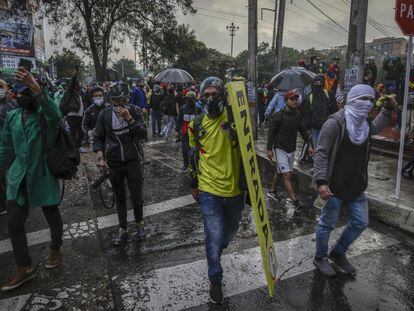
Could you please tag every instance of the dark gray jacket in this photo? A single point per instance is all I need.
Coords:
(330, 140)
(119, 148)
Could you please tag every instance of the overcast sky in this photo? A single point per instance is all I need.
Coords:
(305, 27)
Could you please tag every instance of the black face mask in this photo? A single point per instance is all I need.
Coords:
(213, 106)
(27, 102)
(317, 88)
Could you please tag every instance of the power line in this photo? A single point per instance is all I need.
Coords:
(311, 20)
(334, 7)
(322, 12)
(290, 32)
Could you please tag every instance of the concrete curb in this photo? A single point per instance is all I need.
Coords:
(391, 213)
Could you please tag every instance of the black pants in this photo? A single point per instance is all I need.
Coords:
(16, 219)
(75, 126)
(185, 148)
(132, 172)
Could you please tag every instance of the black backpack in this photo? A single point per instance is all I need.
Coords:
(63, 159)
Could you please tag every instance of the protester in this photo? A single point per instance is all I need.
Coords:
(29, 181)
(155, 107)
(215, 171)
(6, 105)
(72, 107)
(314, 64)
(340, 173)
(139, 99)
(372, 67)
(276, 103)
(281, 144)
(187, 114)
(91, 114)
(169, 109)
(58, 96)
(117, 142)
(319, 105)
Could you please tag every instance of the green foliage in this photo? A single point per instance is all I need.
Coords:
(186, 52)
(66, 61)
(95, 27)
(129, 68)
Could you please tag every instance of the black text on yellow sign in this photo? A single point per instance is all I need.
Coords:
(240, 108)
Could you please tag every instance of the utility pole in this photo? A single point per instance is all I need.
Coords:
(232, 28)
(122, 66)
(135, 51)
(279, 36)
(252, 72)
(356, 36)
(274, 27)
(274, 22)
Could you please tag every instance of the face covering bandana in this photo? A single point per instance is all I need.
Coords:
(27, 102)
(2, 93)
(98, 101)
(356, 113)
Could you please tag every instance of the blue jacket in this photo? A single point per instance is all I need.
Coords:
(138, 98)
(277, 103)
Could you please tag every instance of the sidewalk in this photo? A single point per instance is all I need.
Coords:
(382, 172)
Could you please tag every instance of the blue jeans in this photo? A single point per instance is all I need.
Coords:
(315, 136)
(156, 122)
(358, 221)
(221, 217)
(169, 126)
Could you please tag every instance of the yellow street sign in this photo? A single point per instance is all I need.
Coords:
(243, 125)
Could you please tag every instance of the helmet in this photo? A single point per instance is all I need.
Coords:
(118, 90)
(213, 106)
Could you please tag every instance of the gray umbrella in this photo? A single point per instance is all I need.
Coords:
(292, 78)
(173, 75)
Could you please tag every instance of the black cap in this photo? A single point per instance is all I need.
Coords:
(118, 90)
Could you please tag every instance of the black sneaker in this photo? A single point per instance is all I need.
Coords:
(121, 237)
(140, 232)
(297, 205)
(3, 211)
(216, 294)
(324, 266)
(342, 262)
(272, 194)
(184, 168)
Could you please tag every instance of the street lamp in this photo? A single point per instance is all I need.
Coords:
(232, 28)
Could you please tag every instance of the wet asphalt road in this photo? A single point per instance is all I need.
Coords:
(167, 271)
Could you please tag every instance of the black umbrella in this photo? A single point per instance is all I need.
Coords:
(173, 75)
(292, 78)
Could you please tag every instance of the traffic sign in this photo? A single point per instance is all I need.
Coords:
(404, 16)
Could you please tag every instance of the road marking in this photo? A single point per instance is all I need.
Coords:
(184, 286)
(43, 236)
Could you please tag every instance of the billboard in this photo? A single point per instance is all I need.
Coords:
(16, 28)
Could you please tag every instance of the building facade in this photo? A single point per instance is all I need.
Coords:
(388, 46)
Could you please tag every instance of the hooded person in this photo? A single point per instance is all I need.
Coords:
(186, 114)
(155, 106)
(340, 173)
(91, 113)
(215, 173)
(319, 105)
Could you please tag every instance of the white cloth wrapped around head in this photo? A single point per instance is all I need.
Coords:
(359, 104)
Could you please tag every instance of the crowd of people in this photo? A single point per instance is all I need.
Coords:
(111, 120)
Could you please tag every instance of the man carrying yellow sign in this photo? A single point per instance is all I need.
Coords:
(218, 183)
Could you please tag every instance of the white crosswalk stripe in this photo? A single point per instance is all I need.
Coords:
(186, 285)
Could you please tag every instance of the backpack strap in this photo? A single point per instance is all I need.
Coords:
(43, 126)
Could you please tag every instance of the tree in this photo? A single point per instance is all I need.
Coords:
(66, 61)
(127, 66)
(95, 27)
